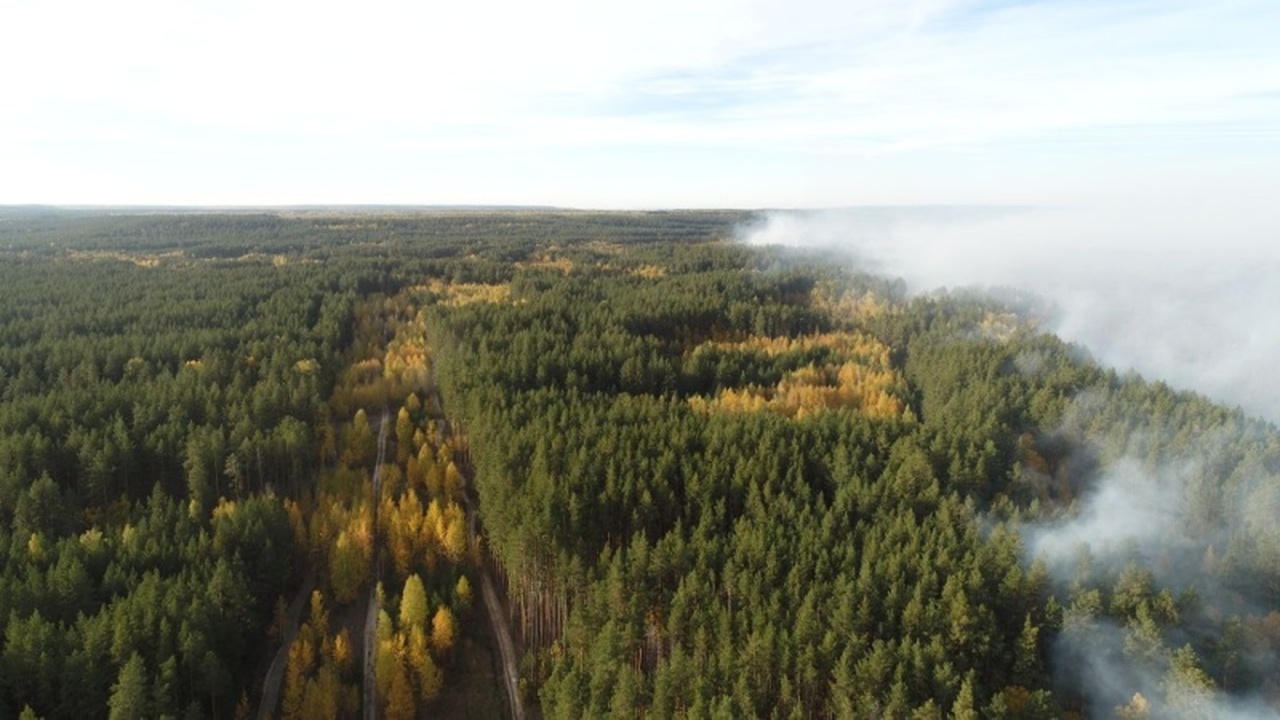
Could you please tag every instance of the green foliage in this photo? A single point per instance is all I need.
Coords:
(697, 550)
(166, 380)
(129, 694)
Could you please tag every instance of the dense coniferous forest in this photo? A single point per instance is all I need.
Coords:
(239, 452)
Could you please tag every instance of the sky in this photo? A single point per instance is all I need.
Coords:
(665, 103)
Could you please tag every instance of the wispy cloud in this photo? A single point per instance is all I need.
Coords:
(913, 97)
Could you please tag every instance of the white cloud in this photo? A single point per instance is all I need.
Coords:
(916, 102)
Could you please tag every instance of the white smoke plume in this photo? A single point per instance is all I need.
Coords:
(1189, 295)
(1101, 656)
(1129, 512)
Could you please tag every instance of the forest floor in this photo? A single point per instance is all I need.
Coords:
(475, 692)
(499, 626)
(500, 629)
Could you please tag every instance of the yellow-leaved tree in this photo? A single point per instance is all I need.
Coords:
(413, 604)
(347, 569)
(404, 436)
(400, 700)
(444, 629)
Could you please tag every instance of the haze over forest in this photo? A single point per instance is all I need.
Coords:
(1186, 296)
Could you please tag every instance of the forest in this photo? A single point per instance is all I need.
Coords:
(262, 463)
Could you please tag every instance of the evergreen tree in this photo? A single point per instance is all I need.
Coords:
(129, 696)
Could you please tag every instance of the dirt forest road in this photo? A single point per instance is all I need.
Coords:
(370, 694)
(497, 621)
(271, 686)
(492, 604)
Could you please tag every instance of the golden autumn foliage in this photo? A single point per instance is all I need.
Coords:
(392, 481)
(429, 678)
(846, 344)
(400, 704)
(413, 475)
(359, 443)
(857, 375)
(340, 513)
(452, 482)
(347, 569)
(386, 663)
(404, 435)
(319, 617)
(463, 592)
(323, 694)
(295, 678)
(343, 654)
(444, 630)
(384, 372)
(313, 679)
(449, 523)
(548, 260)
(454, 294)
(432, 478)
(847, 303)
(409, 361)
(384, 630)
(402, 532)
(413, 604)
(420, 524)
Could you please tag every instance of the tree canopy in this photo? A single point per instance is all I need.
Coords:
(710, 479)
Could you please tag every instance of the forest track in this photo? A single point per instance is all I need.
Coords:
(370, 695)
(497, 621)
(275, 674)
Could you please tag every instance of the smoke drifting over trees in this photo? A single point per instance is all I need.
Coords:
(1165, 584)
(1166, 539)
(1187, 296)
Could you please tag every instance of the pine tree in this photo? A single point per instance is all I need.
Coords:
(1189, 692)
(129, 694)
(1026, 659)
(963, 708)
